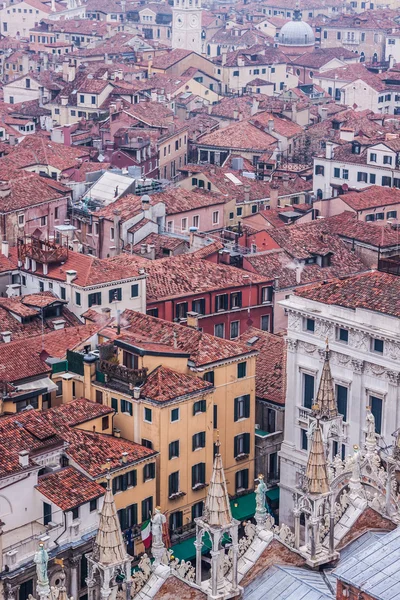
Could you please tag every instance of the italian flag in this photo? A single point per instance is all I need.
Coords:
(145, 532)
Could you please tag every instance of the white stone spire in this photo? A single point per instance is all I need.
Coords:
(109, 547)
(217, 510)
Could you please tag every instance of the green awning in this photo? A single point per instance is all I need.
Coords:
(244, 507)
(261, 433)
(273, 494)
(186, 550)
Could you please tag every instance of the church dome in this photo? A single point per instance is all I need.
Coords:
(296, 33)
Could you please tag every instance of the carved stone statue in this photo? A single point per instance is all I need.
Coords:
(41, 559)
(157, 522)
(371, 432)
(260, 495)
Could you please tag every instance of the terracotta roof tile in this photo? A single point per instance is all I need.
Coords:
(203, 348)
(79, 411)
(371, 197)
(239, 136)
(357, 292)
(270, 364)
(164, 384)
(164, 61)
(161, 243)
(69, 488)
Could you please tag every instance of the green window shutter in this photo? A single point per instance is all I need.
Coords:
(114, 404)
(236, 409)
(247, 406)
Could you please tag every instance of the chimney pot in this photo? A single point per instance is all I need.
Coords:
(23, 458)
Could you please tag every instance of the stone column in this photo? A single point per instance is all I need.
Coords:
(296, 529)
(73, 586)
(214, 571)
(198, 545)
(235, 552)
(314, 537)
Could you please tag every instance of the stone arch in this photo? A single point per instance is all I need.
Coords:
(5, 507)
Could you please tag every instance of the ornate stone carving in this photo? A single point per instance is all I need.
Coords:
(309, 348)
(285, 534)
(392, 377)
(291, 344)
(294, 322)
(375, 370)
(392, 349)
(141, 576)
(360, 340)
(357, 365)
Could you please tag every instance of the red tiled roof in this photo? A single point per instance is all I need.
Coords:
(164, 384)
(270, 364)
(69, 488)
(164, 61)
(79, 411)
(347, 225)
(240, 136)
(28, 189)
(93, 271)
(203, 348)
(374, 291)
(178, 200)
(183, 275)
(371, 197)
(26, 357)
(36, 150)
(161, 243)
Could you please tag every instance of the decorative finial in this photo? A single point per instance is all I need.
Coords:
(316, 411)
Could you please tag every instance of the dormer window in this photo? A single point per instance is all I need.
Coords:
(356, 148)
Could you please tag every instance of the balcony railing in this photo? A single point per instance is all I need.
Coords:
(42, 251)
(133, 377)
(304, 414)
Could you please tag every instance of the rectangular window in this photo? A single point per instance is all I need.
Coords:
(115, 295)
(241, 370)
(47, 514)
(234, 329)
(181, 310)
(197, 510)
(198, 475)
(174, 415)
(372, 157)
(266, 294)
(173, 483)
(196, 221)
(336, 172)
(215, 416)
(236, 300)
(43, 221)
(134, 290)
(309, 325)
(184, 224)
(130, 360)
(264, 324)
(221, 302)
(94, 299)
(199, 407)
(372, 178)
(241, 480)
(377, 346)
(341, 398)
(199, 440)
(77, 299)
(93, 98)
(241, 445)
(112, 233)
(386, 181)
(173, 449)
(126, 407)
(147, 508)
(209, 376)
(93, 505)
(148, 416)
(99, 397)
(387, 160)
(380, 216)
(199, 306)
(303, 439)
(149, 471)
(114, 404)
(391, 214)
(362, 177)
(342, 335)
(81, 98)
(242, 407)
(308, 390)
(63, 294)
(215, 217)
(239, 211)
(345, 173)
(376, 409)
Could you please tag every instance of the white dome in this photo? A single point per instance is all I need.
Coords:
(296, 33)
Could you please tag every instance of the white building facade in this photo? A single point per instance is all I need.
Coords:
(364, 360)
(186, 25)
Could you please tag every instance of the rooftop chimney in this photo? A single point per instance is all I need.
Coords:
(192, 319)
(23, 458)
(6, 335)
(247, 193)
(273, 196)
(329, 150)
(59, 324)
(124, 457)
(270, 124)
(4, 249)
(71, 275)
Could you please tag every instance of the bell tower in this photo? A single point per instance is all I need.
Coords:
(186, 25)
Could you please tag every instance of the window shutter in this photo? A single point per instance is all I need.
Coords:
(235, 446)
(203, 406)
(246, 443)
(134, 513)
(247, 406)
(203, 439)
(124, 482)
(114, 404)
(170, 451)
(237, 480)
(202, 306)
(231, 301)
(194, 442)
(170, 484)
(202, 472)
(114, 485)
(185, 308)
(239, 298)
(194, 475)
(153, 465)
(216, 303)
(111, 295)
(226, 301)
(236, 409)
(176, 311)
(246, 478)
(134, 480)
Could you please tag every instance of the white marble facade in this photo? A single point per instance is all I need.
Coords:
(367, 371)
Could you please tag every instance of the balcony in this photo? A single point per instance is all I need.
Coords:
(304, 414)
(41, 251)
(132, 377)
